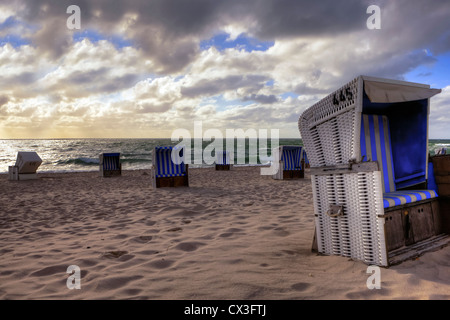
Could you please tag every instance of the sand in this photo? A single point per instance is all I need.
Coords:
(230, 235)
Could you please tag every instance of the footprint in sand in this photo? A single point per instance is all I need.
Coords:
(56, 269)
(114, 254)
(161, 264)
(47, 271)
(230, 232)
(300, 286)
(175, 229)
(281, 232)
(143, 239)
(188, 246)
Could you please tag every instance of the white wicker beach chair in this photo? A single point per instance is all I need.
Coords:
(223, 161)
(26, 166)
(292, 161)
(169, 168)
(110, 164)
(367, 145)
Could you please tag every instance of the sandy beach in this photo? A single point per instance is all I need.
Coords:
(230, 235)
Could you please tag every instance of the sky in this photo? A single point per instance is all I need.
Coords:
(144, 68)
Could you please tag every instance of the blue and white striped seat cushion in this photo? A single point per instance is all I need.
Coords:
(292, 158)
(397, 198)
(165, 167)
(111, 161)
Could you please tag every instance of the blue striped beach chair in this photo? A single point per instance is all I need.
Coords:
(169, 168)
(373, 190)
(223, 161)
(292, 162)
(110, 164)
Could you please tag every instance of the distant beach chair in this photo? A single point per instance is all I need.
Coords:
(292, 162)
(223, 161)
(169, 168)
(110, 164)
(26, 166)
(440, 151)
(374, 199)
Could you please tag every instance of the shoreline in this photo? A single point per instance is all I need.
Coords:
(137, 169)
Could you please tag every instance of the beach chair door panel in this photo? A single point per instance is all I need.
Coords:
(356, 231)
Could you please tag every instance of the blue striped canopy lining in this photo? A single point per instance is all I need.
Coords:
(111, 161)
(292, 158)
(165, 167)
(376, 146)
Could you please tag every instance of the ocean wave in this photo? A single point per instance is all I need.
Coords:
(442, 145)
(134, 160)
(79, 161)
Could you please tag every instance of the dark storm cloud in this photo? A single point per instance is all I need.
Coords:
(3, 100)
(211, 87)
(169, 31)
(21, 79)
(101, 81)
(261, 98)
(290, 18)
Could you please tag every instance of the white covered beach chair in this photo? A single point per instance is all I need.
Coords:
(169, 168)
(110, 164)
(367, 144)
(26, 166)
(292, 162)
(223, 161)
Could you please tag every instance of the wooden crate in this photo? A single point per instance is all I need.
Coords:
(441, 167)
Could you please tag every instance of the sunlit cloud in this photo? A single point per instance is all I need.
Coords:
(146, 68)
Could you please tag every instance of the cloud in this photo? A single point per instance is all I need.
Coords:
(162, 77)
(439, 114)
(211, 87)
(261, 98)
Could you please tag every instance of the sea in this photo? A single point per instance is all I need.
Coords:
(78, 155)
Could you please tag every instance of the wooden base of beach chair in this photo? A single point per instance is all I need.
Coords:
(111, 173)
(413, 229)
(412, 223)
(170, 182)
(28, 176)
(223, 167)
(14, 174)
(293, 174)
(411, 252)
